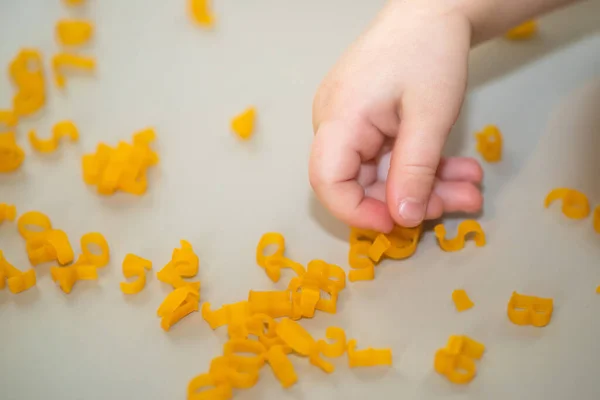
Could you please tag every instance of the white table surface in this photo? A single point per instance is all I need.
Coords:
(156, 68)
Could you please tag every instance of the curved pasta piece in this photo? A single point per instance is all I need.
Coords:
(282, 366)
(61, 129)
(316, 360)
(338, 347)
(296, 337)
(274, 303)
(28, 102)
(99, 260)
(178, 304)
(363, 274)
(359, 235)
(50, 245)
(184, 263)
(379, 246)
(464, 228)
(457, 368)
(358, 256)
(135, 266)
(273, 263)
(268, 239)
(33, 218)
(404, 242)
(205, 387)
(25, 67)
(17, 280)
(455, 361)
(257, 324)
(175, 299)
(217, 318)
(529, 310)
(227, 371)
(27, 73)
(575, 204)
(234, 346)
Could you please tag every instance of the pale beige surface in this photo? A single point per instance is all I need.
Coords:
(157, 69)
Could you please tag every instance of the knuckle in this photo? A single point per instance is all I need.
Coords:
(420, 170)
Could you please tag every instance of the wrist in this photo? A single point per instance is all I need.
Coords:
(461, 11)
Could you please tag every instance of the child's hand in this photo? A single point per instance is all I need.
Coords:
(398, 90)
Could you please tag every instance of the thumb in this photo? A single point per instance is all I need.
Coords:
(424, 127)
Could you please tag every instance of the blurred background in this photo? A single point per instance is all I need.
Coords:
(156, 68)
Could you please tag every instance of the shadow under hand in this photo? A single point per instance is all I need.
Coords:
(458, 140)
(568, 154)
(328, 222)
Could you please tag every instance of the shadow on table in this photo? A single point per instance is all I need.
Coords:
(500, 57)
(82, 288)
(557, 30)
(374, 374)
(10, 181)
(328, 222)
(438, 385)
(22, 300)
(567, 155)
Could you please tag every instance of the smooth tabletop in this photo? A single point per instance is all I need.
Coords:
(156, 68)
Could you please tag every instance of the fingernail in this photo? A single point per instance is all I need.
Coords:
(412, 210)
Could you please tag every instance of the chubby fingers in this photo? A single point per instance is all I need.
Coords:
(337, 153)
(465, 169)
(457, 187)
(446, 197)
